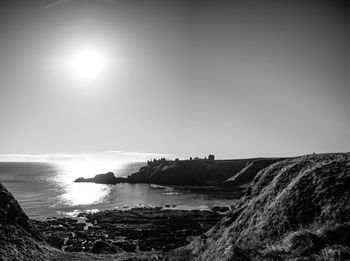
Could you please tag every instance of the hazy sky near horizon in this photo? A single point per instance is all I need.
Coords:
(185, 78)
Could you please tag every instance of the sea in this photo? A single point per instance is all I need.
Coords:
(47, 189)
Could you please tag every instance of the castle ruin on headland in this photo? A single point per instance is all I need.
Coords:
(210, 158)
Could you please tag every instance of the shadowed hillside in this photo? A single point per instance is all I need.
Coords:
(296, 208)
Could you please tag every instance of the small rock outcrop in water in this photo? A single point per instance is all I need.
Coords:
(295, 209)
(107, 178)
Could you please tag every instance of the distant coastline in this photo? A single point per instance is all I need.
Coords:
(191, 172)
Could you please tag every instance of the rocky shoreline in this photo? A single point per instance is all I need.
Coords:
(133, 230)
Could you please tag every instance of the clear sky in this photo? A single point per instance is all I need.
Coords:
(184, 78)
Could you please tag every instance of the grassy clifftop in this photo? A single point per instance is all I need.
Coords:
(296, 208)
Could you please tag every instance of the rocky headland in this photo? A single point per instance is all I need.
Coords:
(293, 209)
(196, 172)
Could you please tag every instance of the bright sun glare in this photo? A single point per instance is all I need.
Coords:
(87, 64)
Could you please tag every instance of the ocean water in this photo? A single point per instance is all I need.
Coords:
(47, 189)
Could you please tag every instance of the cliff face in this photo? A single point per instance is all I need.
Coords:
(294, 208)
(248, 173)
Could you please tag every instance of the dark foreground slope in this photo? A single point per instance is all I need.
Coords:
(297, 208)
(19, 239)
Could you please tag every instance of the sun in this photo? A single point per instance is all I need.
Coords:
(87, 64)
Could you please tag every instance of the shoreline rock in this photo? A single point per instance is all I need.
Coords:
(137, 229)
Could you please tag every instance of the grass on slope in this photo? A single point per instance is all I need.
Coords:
(297, 208)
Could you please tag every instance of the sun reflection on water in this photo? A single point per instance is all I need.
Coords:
(75, 194)
(84, 194)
